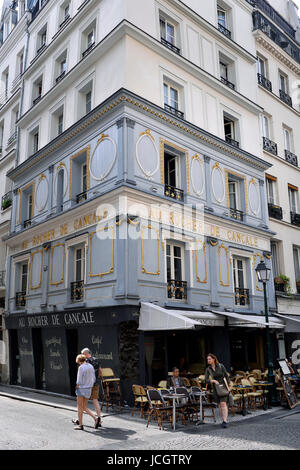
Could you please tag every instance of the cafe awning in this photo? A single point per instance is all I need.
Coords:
(291, 321)
(156, 318)
(250, 321)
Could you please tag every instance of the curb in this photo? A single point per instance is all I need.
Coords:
(38, 402)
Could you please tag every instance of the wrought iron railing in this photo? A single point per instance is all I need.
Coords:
(88, 50)
(16, 81)
(274, 15)
(6, 201)
(279, 286)
(285, 98)
(295, 219)
(77, 291)
(2, 278)
(224, 30)
(174, 111)
(275, 212)
(40, 49)
(169, 45)
(236, 214)
(81, 197)
(227, 83)
(60, 77)
(27, 223)
(21, 299)
(270, 146)
(284, 42)
(291, 157)
(36, 100)
(174, 193)
(65, 21)
(242, 296)
(231, 141)
(12, 139)
(263, 81)
(177, 290)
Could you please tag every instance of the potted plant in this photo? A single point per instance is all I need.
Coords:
(282, 283)
(6, 203)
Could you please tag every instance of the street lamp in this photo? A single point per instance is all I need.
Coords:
(263, 275)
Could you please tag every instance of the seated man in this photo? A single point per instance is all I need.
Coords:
(175, 380)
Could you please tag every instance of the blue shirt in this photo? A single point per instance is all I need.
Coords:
(86, 376)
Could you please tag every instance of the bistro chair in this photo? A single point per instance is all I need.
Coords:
(140, 398)
(162, 384)
(158, 407)
(205, 404)
(185, 405)
(241, 373)
(195, 382)
(256, 373)
(253, 395)
(237, 399)
(279, 389)
(187, 382)
(111, 385)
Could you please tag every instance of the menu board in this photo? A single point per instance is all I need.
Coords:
(56, 360)
(290, 395)
(26, 358)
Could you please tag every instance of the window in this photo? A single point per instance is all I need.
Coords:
(240, 281)
(80, 177)
(226, 70)
(167, 31)
(266, 127)
(293, 194)
(85, 99)
(283, 83)
(27, 205)
(236, 198)
(88, 102)
(88, 39)
(261, 67)
(287, 140)
(35, 142)
(60, 190)
(171, 96)
(60, 126)
(174, 262)
(24, 277)
(173, 168)
(275, 261)
(271, 191)
(57, 122)
(79, 263)
(83, 178)
(21, 63)
(41, 39)
(296, 256)
(6, 78)
(230, 130)
(60, 67)
(222, 17)
(233, 189)
(37, 90)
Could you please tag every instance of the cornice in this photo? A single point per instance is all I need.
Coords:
(125, 97)
(275, 50)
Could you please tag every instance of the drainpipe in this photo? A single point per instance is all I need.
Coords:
(22, 90)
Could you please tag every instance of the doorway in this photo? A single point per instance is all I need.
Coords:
(38, 356)
(73, 351)
(15, 370)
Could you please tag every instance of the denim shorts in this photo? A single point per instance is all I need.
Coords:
(83, 392)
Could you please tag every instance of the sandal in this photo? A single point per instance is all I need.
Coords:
(78, 428)
(75, 421)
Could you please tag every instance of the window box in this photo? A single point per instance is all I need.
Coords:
(6, 201)
(77, 291)
(275, 212)
(60, 77)
(237, 215)
(36, 100)
(227, 83)
(174, 111)
(285, 98)
(2, 278)
(231, 141)
(81, 197)
(295, 219)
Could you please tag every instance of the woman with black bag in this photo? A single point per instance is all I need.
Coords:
(218, 377)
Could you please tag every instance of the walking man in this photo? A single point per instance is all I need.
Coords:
(98, 384)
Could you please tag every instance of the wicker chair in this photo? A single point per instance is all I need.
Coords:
(162, 384)
(237, 398)
(205, 404)
(257, 374)
(111, 385)
(158, 407)
(140, 398)
(254, 394)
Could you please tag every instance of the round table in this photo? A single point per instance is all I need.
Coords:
(266, 400)
(199, 394)
(174, 397)
(243, 389)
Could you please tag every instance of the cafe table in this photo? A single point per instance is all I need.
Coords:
(243, 389)
(174, 397)
(265, 395)
(200, 395)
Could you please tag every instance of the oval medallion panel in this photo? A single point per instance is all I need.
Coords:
(197, 175)
(103, 158)
(254, 197)
(147, 154)
(217, 184)
(41, 193)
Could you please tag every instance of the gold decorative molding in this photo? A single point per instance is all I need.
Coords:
(205, 263)
(144, 270)
(147, 132)
(102, 137)
(63, 264)
(268, 256)
(81, 152)
(31, 287)
(213, 243)
(91, 236)
(224, 284)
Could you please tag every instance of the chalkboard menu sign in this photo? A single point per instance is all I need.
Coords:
(56, 360)
(26, 358)
(289, 393)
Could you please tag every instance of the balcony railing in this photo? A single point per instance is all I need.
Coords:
(174, 111)
(279, 286)
(88, 50)
(174, 193)
(36, 100)
(274, 15)
(177, 290)
(81, 197)
(282, 40)
(16, 81)
(65, 21)
(295, 219)
(242, 296)
(236, 215)
(270, 146)
(227, 83)
(20, 299)
(275, 212)
(12, 139)
(40, 49)
(291, 157)
(171, 46)
(77, 291)
(6, 201)
(2, 278)
(263, 81)
(60, 77)
(224, 30)
(27, 223)
(231, 141)
(285, 98)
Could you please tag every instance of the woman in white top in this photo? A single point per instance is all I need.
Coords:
(84, 384)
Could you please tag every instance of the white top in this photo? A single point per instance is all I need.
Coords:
(86, 376)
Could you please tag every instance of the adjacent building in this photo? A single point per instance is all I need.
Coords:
(139, 190)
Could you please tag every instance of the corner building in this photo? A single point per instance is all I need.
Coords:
(139, 206)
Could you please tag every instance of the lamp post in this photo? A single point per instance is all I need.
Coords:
(263, 276)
